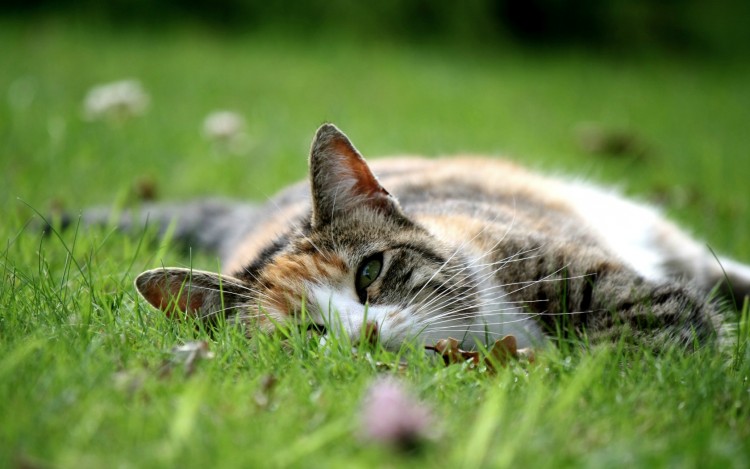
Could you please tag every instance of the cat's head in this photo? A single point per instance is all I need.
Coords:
(357, 265)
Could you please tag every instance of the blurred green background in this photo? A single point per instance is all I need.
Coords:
(679, 24)
(651, 95)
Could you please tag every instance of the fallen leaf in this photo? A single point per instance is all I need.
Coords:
(500, 354)
(264, 393)
(451, 353)
(527, 354)
(600, 140)
(128, 381)
(187, 355)
(145, 189)
(400, 367)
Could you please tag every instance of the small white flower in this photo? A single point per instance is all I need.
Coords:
(120, 99)
(224, 126)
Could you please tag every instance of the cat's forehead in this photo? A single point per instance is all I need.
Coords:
(365, 231)
(346, 239)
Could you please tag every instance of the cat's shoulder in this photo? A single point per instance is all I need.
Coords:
(462, 165)
(471, 177)
(559, 206)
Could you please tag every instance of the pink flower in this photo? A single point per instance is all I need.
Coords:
(393, 416)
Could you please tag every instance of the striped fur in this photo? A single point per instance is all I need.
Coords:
(469, 248)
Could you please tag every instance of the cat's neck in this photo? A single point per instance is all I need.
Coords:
(481, 248)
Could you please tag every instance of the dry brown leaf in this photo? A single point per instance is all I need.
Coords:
(264, 393)
(527, 354)
(129, 381)
(448, 349)
(596, 139)
(145, 189)
(500, 354)
(187, 355)
(400, 367)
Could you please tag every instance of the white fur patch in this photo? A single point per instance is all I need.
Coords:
(340, 310)
(499, 317)
(628, 229)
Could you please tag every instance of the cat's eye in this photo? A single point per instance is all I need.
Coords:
(367, 273)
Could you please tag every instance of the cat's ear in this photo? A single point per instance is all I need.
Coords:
(341, 180)
(190, 292)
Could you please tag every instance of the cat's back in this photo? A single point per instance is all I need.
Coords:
(421, 182)
(442, 193)
(481, 200)
(438, 183)
(461, 197)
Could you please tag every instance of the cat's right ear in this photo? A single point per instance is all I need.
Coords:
(341, 180)
(179, 292)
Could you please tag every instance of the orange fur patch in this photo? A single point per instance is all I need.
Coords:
(287, 277)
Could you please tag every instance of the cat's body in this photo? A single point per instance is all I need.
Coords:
(466, 248)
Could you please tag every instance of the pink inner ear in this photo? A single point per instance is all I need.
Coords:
(366, 181)
(163, 298)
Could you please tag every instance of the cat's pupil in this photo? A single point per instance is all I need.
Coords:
(367, 273)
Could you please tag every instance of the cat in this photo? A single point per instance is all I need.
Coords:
(416, 250)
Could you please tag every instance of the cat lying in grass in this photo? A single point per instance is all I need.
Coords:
(421, 250)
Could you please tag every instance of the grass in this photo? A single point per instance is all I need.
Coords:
(82, 359)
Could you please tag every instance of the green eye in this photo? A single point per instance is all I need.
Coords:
(367, 273)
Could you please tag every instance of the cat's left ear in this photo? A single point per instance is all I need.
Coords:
(178, 292)
(341, 180)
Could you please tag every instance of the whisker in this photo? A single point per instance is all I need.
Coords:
(454, 300)
(490, 301)
(458, 249)
(476, 309)
(526, 318)
(486, 275)
(546, 279)
(256, 294)
(471, 316)
(461, 314)
(508, 259)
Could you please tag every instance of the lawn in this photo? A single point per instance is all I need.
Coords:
(86, 374)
